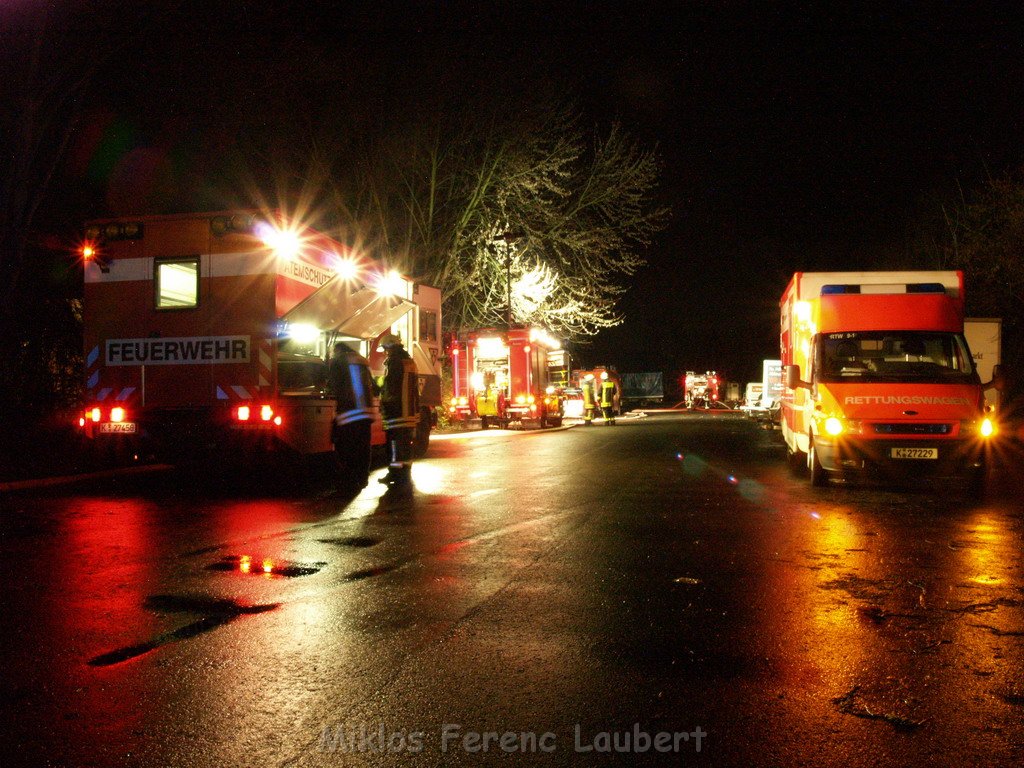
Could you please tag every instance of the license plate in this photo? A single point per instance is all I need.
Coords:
(119, 427)
(914, 453)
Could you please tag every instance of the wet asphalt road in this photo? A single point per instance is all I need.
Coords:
(656, 585)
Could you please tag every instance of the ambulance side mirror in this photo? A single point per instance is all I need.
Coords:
(998, 382)
(793, 378)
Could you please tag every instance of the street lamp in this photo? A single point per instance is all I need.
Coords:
(508, 238)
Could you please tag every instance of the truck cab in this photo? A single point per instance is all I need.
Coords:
(879, 377)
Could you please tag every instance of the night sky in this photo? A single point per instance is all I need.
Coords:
(792, 139)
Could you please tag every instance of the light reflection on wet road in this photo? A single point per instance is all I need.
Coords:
(663, 575)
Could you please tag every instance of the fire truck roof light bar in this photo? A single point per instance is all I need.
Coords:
(839, 289)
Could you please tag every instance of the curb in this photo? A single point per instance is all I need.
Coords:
(44, 482)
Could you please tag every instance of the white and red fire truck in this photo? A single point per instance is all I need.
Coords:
(701, 389)
(505, 376)
(210, 332)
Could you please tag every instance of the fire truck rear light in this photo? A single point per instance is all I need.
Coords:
(81, 421)
(243, 413)
(94, 414)
(277, 421)
(117, 414)
(266, 413)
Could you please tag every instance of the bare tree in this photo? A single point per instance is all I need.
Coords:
(523, 216)
(986, 240)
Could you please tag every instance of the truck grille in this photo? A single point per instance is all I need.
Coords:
(913, 429)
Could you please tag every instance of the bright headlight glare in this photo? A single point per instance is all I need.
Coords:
(987, 428)
(303, 333)
(834, 426)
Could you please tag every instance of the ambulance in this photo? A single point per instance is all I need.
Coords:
(879, 378)
(206, 335)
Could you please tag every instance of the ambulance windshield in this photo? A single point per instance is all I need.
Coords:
(893, 356)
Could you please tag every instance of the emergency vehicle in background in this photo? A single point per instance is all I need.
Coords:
(505, 376)
(879, 376)
(700, 389)
(210, 333)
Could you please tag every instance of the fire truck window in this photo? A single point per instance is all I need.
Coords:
(177, 284)
(428, 325)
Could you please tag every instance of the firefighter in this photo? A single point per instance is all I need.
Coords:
(589, 399)
(608, 392)
(399, 407)
(348, 376)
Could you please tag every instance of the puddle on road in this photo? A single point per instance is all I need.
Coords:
(352, 541)
(264, 566)
(213, 612)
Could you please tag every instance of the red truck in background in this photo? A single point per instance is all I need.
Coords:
(206, 335)
(701, 389)
(507, 376)
(879, 377)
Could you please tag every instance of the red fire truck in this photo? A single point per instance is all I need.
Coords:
(505, 376)
(700, 389)
(210, 332)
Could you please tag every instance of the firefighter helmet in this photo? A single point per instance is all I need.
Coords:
(589, 377)
(390, 340)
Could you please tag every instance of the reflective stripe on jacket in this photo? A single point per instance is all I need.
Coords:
(352, 386)
(400, 399)
(607, 394)
(588, 396)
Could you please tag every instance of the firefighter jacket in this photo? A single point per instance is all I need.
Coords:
(588, 395)
(400, 396)
(607, 393)
(348, 376)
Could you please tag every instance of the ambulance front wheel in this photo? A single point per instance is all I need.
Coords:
(797, 461)
(819, 476)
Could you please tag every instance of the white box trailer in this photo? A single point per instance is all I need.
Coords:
(984, 337)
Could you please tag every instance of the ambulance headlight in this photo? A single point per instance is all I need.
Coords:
(984, 428)
(834, 426)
